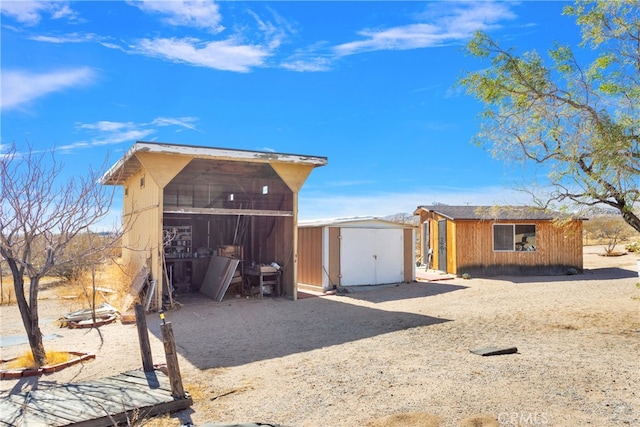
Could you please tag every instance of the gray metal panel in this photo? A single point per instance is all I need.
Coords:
(442, 245)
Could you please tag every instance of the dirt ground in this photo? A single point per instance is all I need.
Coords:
(389, 355)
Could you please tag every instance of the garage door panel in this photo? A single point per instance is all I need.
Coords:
(390, 249)
(357, 262)
(371, 256)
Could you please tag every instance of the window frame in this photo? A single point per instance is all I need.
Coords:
(513, 237)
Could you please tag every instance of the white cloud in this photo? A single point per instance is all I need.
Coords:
(399, 38)
(227, 55)
(443, 23)
(106, 126)
(467, 17)
(67, 38)
(302, 62)
(197, 13)
(185, 122)
(21, 87)
(106, 132)
(30, 12)
(274, 34)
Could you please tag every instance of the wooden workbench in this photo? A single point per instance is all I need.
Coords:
(265, 275)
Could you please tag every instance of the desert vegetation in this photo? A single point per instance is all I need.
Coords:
(610, 231)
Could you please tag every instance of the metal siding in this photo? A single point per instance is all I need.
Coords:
(442, 245)
(425, 243)
(389, 264)
(310, 255)
(357, 250)
(371, 256)
(409, 255)
(333, 248)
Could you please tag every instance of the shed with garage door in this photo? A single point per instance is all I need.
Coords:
(355, 252)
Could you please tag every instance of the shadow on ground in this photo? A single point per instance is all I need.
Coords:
(401, 291)
(604, 273)
(238, 331)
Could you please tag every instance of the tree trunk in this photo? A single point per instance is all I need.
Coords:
(35, 338)
(631, 219)
(29, 314)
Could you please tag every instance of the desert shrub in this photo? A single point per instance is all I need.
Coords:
(633, 247)
(108, 283)
(609, 230)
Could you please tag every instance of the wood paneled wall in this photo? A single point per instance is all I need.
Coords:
(142, 213)
(557, 249)
(470, 248)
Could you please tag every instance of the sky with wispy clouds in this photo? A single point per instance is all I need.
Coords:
(369, 84)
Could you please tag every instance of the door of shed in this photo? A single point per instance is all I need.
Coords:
(371, 256)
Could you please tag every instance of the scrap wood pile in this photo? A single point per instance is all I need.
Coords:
(141, 289)
(88, 318)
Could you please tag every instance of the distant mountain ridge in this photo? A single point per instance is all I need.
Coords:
(403, 218)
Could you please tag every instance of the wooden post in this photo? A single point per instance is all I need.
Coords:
(143, 337)
(177, 391)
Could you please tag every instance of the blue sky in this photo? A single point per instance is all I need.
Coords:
(369, 85)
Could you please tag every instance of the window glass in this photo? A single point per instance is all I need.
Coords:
(525, 236)
(503, 237)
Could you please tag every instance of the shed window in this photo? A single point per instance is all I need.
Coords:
(512, 237)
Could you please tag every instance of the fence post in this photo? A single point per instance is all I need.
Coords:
(143, 337)
(173, 369)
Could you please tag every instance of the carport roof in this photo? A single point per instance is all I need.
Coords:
(129, 165)
(362, 221)
(491, 212)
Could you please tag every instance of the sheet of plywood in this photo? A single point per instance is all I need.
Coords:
(494, 351)
(219, 275)
(95, 403)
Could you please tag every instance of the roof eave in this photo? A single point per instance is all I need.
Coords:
(114, 175)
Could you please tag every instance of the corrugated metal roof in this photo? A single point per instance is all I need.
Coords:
(128, 165)
(492, 212)
(360, 221)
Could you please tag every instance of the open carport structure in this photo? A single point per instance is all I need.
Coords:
(184, 205)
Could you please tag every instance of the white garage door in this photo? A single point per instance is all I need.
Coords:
(371, 256)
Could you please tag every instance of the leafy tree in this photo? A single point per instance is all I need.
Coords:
(581, 124)
(40, 216)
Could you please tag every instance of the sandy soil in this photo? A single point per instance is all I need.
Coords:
(391, 355)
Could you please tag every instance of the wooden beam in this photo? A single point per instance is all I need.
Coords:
(173, 368)
(219, 211)
(143, 338)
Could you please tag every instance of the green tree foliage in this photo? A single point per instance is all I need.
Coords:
(578, 123)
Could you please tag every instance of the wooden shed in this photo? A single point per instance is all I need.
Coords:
(185, 205)
(499, 240)
(354, 252)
